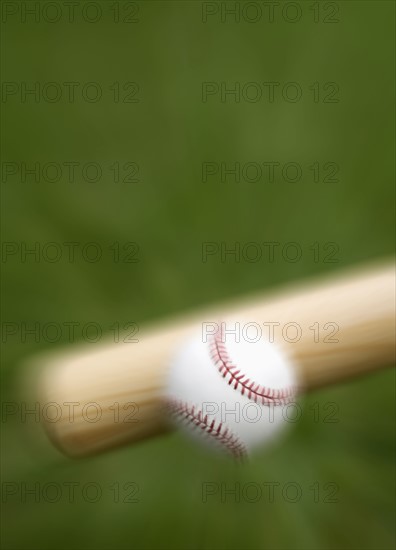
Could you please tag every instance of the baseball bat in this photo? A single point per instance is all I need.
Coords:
(98, 396)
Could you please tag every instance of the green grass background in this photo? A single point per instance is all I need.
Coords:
(170, 213)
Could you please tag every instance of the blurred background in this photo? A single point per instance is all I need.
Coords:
(126, 148)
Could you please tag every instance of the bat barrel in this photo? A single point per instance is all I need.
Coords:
(111, 395)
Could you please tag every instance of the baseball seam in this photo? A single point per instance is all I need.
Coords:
(214, 429)
(240, 381)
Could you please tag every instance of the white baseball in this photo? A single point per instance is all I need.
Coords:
(231, 395)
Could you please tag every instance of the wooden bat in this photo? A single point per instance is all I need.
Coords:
(97, 396)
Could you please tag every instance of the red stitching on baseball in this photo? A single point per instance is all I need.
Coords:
(253, 390)
(217, 430)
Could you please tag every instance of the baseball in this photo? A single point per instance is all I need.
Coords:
(230, 392)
